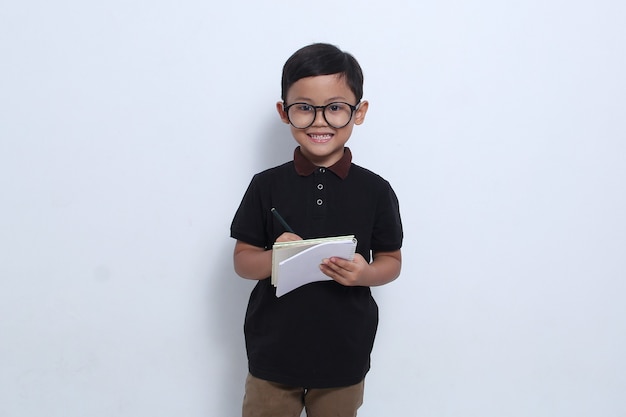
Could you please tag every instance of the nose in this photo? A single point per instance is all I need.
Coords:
(320, 119)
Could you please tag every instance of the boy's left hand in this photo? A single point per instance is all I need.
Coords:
(345, 272)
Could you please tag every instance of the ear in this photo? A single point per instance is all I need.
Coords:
(281, 112)
(359, 114)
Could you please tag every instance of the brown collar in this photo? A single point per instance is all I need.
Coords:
(304, 167)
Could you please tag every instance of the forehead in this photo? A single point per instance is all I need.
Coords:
(321, 89)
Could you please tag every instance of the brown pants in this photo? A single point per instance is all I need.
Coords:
(270, 399)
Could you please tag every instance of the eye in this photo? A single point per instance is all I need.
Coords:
(336, 107)
(303, 107)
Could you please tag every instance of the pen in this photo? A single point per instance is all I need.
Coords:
(281, 220)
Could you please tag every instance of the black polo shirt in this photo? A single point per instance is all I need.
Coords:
(319, 335)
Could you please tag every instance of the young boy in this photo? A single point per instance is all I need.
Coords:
(311, 347)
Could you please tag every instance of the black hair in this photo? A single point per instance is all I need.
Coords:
(322, 59)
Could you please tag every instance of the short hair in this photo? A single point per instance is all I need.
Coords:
(322, 59)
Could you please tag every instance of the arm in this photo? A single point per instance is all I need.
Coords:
(253, 262)
(384, 268)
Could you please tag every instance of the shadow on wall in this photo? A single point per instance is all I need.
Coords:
(228, 293)
(274, 147)
(227, 301)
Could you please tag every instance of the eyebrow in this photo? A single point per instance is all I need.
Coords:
(330, 100)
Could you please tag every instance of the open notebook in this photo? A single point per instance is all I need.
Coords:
(297, 263)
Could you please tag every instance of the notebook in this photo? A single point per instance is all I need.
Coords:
(297, 263)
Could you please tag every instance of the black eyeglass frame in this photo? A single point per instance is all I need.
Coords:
(323, 108)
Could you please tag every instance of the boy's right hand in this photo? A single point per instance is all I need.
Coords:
(288, 237)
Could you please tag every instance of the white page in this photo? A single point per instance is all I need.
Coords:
(285, 250)
(303, 267)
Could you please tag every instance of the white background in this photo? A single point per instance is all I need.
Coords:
(129, 131)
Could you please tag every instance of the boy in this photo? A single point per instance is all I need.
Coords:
(311, 347)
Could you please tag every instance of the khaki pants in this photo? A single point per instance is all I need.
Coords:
(269, 399)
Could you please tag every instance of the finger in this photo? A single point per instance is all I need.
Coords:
(341, 264)
(288, 237)
(333, 274)
(327, 265)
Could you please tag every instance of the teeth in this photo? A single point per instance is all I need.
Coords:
(321, 137)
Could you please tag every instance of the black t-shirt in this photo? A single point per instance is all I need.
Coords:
(321, 334)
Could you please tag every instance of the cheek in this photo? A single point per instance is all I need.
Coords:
(296, 132)
(347, 131)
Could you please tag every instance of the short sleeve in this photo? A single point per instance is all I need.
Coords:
(387, 234)
(248, 223)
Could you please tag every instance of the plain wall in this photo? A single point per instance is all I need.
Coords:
(129, 131)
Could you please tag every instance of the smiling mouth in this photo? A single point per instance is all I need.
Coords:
(321, 138)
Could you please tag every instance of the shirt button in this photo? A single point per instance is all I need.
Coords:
(319, 202)
(322, 170)
(320, 186)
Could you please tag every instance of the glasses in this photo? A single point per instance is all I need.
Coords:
(337, 115)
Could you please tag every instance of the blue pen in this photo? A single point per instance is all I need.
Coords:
(281, 220)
